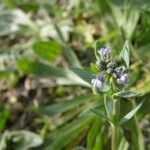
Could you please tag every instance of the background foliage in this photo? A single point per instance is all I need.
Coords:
(43, 102)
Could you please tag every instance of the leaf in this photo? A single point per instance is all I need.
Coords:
(124, 145)
(95, 104)
(48, 50)
(70, 132)
(20, 140)
(39, 69)
(98, 45)
(108, 106)
(71, 56)
(85, 76)
(125, 54)
(67, 50)
(105, 88)
(4, 116)
(42, 70)
(94, 131)
(10, 21)
(95, 68)
(100, 114)
(64, 105)
(126, 94)
(130, 114)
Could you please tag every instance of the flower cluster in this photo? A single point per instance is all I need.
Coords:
(110, 67)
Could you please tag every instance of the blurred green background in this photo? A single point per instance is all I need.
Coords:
(45, 106)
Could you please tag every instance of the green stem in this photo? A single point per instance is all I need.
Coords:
(114, 135)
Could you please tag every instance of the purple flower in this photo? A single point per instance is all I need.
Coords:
(118, 72)
(100, 78)
(123, 79)
(98, 82)
(104, 52)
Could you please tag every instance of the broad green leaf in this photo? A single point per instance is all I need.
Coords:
(87, 77)
(130, 114)
(98, 45)
(48, 50)
(64, 106)
(20, 140)
(126, 94)
(125, 54)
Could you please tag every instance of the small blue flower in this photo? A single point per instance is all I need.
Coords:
(104, 52)
(119, 72)
(123, 79)
(98, 82)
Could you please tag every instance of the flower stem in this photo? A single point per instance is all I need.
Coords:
(113, 136)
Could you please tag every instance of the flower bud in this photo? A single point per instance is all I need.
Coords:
(110, 65)
(123, 79)
(103, 65)
(104, 52)
(109, 70)
(119, 72)
(98, 82)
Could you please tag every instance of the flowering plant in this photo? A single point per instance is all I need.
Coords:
(111, 79)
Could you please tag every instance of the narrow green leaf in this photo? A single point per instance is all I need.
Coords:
(98, 45)
(98, 143)
(130, 114)
(108, 106)
(64, 105)
(126, 94)
(87, 77)
(48, 50)
(94, 131)
(95, 104)
(125, 54)
(62, 137)
(95, 68)
(124, 145)
(100, 114)
(71, 56)
(39, 69)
